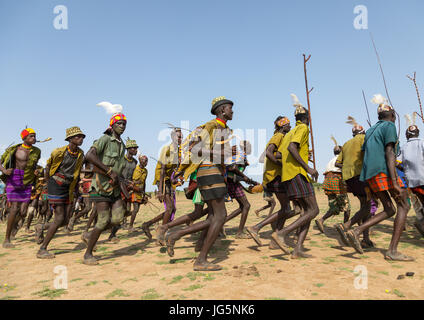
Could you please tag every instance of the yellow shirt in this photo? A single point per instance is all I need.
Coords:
(272, 170)
(139, 179)
(211, 132)
(291, 168)
(168, 158)
(352, 157)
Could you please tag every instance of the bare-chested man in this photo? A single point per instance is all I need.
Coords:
(18, 166)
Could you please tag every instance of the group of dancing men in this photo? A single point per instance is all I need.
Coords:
(110, 183)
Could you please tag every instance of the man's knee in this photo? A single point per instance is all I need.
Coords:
(391, 210)
(117, 216)
(103, 219)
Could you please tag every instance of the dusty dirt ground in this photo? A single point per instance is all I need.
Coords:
(137, 269)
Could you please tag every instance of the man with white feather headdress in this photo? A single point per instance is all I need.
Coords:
(335, 189)
(107, 155)
(350, 160)
(297, 181)
(412, 154)
(379, 171)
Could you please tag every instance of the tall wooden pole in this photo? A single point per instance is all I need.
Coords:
(414, 80)
(305, 60)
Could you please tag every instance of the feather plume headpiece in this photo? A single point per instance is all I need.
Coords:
(296, 103)
(356, 127)
(382, 103)
(411, 123)
(334, 140)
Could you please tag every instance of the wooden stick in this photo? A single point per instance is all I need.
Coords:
(414, 80)
(366, 106)
(305, 60)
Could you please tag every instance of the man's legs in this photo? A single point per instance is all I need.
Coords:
(136, 208)
(109, 215)
(310, 211)
(11, 221)
(164, 216)
(193, 216)
(217, 222)
(59, 220)
(388, 211)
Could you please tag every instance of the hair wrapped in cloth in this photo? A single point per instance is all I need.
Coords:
(117, 117)
(282, 122)
(26, 132)
(356, 128)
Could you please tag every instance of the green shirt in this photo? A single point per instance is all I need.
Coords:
(111, 152)
(8, 161)
(376, 140)
(352, 157)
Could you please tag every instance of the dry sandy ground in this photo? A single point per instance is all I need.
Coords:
(137, 269)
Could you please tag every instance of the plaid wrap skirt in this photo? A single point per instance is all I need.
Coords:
(334, 184)
(382, 182)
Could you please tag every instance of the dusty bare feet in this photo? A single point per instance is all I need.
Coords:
(8, 245)
(160, 234)
(90, 260)
(146, 230)
(206, 266)
(254, 234)
(279, 239)
(44, 254)
(296, 254)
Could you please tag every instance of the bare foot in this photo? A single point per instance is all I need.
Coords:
(170, 242)
(44, 254)
(8, 245)
(296, 254)
(280, 242)
(160, 234)
(320, 225)
(206, 266)
(254, 234)
(146, 230)
(273, 245)
(90, 260)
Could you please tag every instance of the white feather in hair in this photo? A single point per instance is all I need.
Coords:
(378, 99)
(296, 102)
(334, 140)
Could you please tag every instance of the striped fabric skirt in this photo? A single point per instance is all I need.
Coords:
(57, 193)
(16, 191)
(299, 187)
(275, 186)
(211, 182)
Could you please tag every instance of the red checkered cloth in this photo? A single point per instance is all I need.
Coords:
(418, 190)
(334, 184)
(382, 182)
(235, 190)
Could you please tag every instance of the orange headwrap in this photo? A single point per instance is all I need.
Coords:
(283, 121)
(116, 117)
(26, 132)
